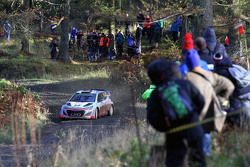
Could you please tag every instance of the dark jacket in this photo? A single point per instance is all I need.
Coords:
(221, 68)
(204, 55)
(213, 45)
(155, 105)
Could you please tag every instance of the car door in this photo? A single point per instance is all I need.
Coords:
(101, 104)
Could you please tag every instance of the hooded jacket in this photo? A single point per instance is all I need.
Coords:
(214, 88)
(213, 45)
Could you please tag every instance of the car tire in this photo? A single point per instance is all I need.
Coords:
(97, 113)
(111, 110)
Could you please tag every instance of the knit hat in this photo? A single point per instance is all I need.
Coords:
(192, 59)
(210, 36)
(188, 42)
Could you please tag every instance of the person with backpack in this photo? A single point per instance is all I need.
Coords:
(119, 39)
(131, 46)
(216, 90)
(175, 103)
(240, 99)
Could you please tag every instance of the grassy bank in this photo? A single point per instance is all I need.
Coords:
(21, 114)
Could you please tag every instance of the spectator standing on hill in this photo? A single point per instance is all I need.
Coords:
(53, 48)
(73, 35)
(176, 102)
(110, 46)
(213, 46)
(174, 29)
(157, 33)
(119, 39)
(140, 19)
(102, 45)
(131, 46)
(138, 37)
(7, 29)
(146, 26)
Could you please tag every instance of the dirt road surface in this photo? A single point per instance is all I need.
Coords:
(56, 94)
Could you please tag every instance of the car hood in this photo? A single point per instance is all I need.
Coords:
(78, 104)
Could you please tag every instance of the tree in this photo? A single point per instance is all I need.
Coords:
(64, 41)
(204, 17)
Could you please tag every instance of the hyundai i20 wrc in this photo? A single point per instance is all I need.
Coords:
(88, 104)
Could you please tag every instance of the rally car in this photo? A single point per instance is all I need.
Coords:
(88, 104)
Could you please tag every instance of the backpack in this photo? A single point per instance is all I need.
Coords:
(156, 115)
(241, 76)
(130, 42)
(175, 100)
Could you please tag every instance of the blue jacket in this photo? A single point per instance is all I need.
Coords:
(184, 69)
(175, 25)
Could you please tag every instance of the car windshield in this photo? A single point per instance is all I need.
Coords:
(83, 97)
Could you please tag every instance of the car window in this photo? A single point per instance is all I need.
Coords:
(83, 97)
(101, 97)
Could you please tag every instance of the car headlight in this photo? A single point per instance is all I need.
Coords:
(88, 107)
(68, 104)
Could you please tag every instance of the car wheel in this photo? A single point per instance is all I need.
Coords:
(111, 110)
(97, 113)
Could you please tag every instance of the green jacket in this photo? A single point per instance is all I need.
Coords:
(148, 92)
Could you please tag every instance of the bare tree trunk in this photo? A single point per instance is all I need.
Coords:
(25, 47)
(232, 32)
(64, 43)
(204, 18)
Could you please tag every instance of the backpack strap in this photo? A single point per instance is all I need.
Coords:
(203, 76)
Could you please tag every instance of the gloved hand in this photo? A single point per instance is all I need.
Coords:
(225, 104)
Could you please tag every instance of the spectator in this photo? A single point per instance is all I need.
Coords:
(146, 26)
(73, 35)
(157, 33)
(216, 90)
(213, 46)
(140, 19)
(166, 110)
(54, 48)
(138, 37)
(131, 46)
(188, 45)
(110, 46)
(203, 52)
(102, 45)
(92, 40)
(175, 28)
(119, 38)
(7, 29)
(79, 40)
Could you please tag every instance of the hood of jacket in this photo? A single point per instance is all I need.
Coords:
(210, 36)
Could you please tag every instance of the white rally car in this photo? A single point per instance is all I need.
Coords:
(88, 104)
